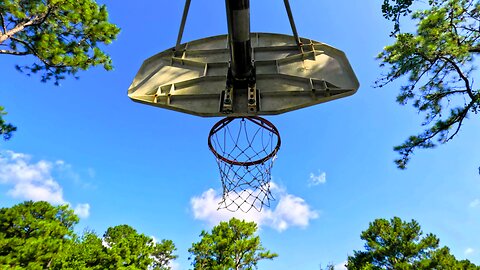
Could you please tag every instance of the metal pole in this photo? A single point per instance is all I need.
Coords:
(292, 23)
(182, 24)
(238, 19)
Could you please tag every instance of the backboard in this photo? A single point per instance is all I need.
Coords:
(192, 79)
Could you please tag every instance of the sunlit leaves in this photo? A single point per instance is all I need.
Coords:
(128, 249)
(230, 245)
(37, 235)
(65, 36)
(396, 244)
(32, 233)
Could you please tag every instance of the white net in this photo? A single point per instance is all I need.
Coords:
(245, 149)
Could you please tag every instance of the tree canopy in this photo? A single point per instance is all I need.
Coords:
(32, 233)
(63, 36)
(437, 60)
(128, 248)
(37, 235)
(230, 245)
(397, 244)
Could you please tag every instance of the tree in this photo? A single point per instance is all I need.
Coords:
(397, 244)
(6, 129)
(33, 233)
(230, 245)
(128, 249)
(37, 235)
(437, 61)
(121, 247)
(63, 36)
(163, 254)
(87, 252)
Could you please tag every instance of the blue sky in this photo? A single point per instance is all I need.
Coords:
(120, 162)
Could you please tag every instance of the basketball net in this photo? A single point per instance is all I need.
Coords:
(245, 149)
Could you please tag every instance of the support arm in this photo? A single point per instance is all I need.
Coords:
(238, 18)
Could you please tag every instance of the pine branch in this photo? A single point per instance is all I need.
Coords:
(13, 52)
(424, 139)
(32, 49)
(474, 50)
(2, 20)
(460, 73)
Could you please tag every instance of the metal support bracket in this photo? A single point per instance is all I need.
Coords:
(292, 25)
(252, 98)
(226, 102)
(182, 26)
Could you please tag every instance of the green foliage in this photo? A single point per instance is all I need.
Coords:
(437, 61)
(6, 129)
(397, 244)
(129, 250)
(395, 11)
(163, 254)
(122, 248)
(65, 36)
(83, 253)
(37, 235)
(230, 245)
(33, 233)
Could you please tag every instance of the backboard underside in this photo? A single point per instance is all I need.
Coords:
(193, 79)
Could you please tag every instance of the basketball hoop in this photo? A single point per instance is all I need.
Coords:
(242, 75)
(245, 149)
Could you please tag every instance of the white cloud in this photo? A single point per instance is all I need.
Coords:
(340, 266)
(475, 203)
(469, 251)
(173, 265)
(29, 180)
(66, 171)
(82, 210)
(316, 180)
(45, 190)
(291, 211)
(154, 239)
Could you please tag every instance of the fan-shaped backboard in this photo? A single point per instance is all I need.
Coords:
(192, 80)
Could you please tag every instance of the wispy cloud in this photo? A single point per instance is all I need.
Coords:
(317, 179)
(469, 251)
(91, 173)
(340, 266)
(66, 171)
(475, 203)
(30, 180)
(174, 265)
(291, 211)
(82, 210)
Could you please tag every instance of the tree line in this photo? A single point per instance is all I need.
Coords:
(38, 235)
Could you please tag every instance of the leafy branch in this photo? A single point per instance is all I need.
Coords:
(63, 36)
(437, 61)
(6, 129)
